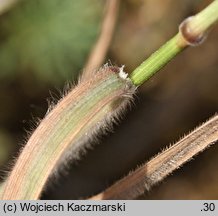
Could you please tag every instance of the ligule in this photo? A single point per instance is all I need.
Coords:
(92, 106)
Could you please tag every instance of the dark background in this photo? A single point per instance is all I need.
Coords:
(42, 49)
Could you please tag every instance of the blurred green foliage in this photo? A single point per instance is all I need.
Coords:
(50, 39)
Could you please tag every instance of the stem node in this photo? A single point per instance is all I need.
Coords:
(191, 37)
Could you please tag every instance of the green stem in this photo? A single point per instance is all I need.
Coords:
(206, 18)
(156, 61)
(191, 32)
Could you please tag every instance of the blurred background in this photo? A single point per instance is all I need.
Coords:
(45, 44)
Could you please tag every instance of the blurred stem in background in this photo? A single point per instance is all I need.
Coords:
(99, 51)
(6, 5)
